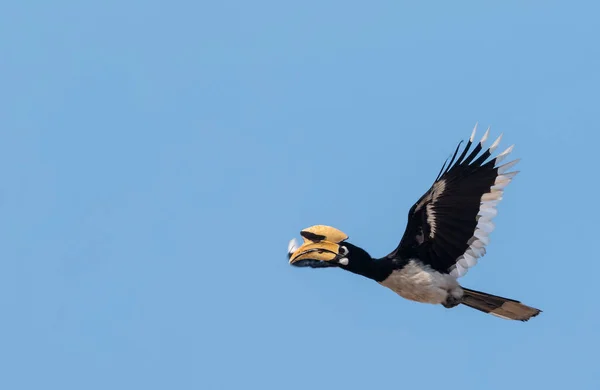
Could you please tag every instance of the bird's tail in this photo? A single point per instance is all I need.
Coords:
(500, 307)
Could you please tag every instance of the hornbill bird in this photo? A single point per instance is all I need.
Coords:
(447, 231)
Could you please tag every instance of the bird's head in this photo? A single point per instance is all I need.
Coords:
(323, 246)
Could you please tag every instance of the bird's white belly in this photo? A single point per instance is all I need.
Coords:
(419, 282)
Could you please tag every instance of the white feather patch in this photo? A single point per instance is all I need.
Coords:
(482, 236)
(467, 261)
(477, 252)
(507, 166)
(500, 186)
(458, 271)
(503, 155)
(495, 144)
(486, 225)
(489, 212)
(510, 175)
(485, 136)
(490, 203)
(419, 282)
(477, 244)
(473, 133)
(438, 189)
(500, 179)
(490, 196)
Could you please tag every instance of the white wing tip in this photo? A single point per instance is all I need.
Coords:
(485, 136)
(473, 133)
(496, 143)
(507, 151)
(503, 168)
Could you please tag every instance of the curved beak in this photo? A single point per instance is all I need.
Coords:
(314, 254)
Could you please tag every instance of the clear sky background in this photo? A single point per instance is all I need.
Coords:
(156, 157)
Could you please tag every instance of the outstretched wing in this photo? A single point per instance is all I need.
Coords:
(448, 227)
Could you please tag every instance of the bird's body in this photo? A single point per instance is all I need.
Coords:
(447, 231)
(419, 282)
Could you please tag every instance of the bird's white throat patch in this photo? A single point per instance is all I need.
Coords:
(419, 282)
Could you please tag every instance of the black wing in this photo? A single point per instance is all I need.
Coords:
(449, 225)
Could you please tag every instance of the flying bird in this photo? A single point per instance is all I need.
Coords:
(447, 232)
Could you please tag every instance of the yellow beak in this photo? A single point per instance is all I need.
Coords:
(321, 243)
(322, 250)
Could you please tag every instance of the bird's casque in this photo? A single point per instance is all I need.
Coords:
(447, 232)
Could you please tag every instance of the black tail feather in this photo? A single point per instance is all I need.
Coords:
(500, 307)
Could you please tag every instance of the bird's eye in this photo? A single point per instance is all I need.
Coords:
(343, 251)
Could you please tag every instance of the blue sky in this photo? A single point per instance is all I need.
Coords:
(156, 157)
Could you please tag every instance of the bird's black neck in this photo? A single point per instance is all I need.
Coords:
(361, 263)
